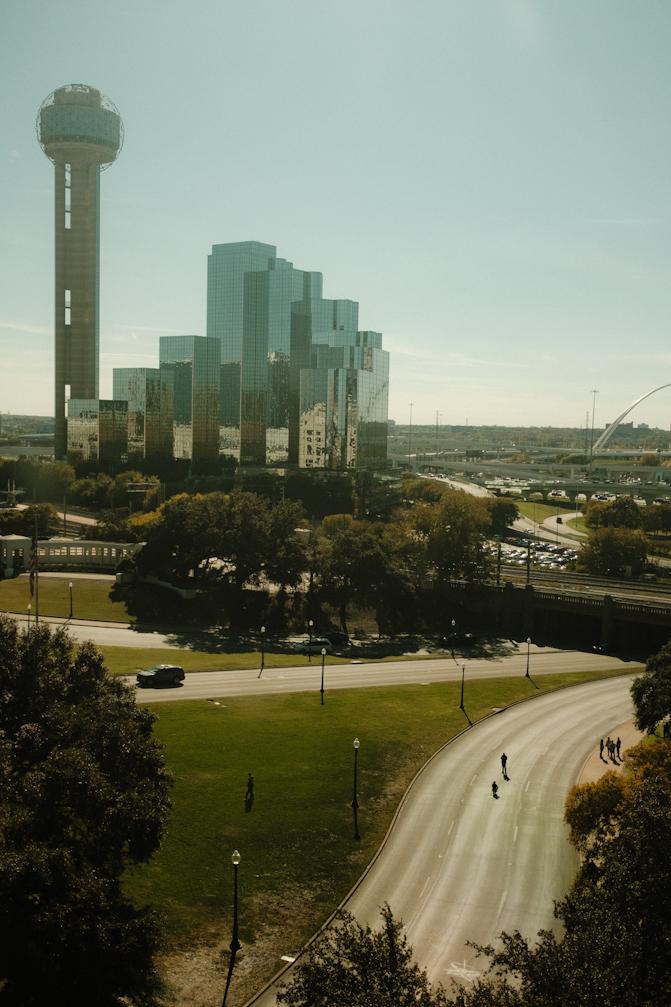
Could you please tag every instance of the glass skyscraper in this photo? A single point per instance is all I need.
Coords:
(98, 430)
(298, 382)
(149, 432)
(344, 403)
(189, 394)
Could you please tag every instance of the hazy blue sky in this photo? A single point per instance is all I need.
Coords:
(490, 179)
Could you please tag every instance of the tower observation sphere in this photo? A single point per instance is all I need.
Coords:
(81, 132)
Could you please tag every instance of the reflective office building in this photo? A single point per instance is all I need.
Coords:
(149, 426)
(97, 430)
(189, 397)
(274, 326)
(343, 403)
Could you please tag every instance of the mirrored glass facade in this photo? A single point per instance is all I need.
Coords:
(344, 403)
(189, 397)
(290, 364)
(98, 430)
(140, 387)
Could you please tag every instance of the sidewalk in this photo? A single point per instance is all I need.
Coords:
(595, 767)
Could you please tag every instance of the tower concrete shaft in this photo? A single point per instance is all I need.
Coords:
(81, 132)
(77, 289)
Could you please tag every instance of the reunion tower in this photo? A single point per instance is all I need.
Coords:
(81, 131)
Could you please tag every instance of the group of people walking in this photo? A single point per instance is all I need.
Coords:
(612, 747)
(504, 771)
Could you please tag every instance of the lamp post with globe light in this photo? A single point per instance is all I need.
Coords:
(321, 690)
(235, 943)
(355, 801)
(263, 651)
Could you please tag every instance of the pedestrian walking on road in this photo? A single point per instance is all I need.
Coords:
(608, 743)
(601, 748)
(495, 790)
(504, 763)
(618, 743)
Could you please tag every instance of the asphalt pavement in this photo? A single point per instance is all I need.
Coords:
(459, 865)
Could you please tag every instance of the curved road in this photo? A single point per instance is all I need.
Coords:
(461, 866)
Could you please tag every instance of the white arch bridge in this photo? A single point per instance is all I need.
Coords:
(608, 433)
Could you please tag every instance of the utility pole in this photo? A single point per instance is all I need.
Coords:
(591, 440)
(410, 435)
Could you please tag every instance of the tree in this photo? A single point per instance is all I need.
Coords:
(615, 552)
(619, 513)
(357, 966)
(503, 513)
(83, 794)
(349, 563)
(452, 532)
(651, 691)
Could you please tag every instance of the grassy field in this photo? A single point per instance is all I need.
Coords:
(299, 857)
(538, 512)
(90, 599)
(128, 660)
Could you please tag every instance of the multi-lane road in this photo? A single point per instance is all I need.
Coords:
(459, 865)
(306, 677)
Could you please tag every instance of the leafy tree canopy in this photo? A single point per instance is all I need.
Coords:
(355, 965)
(651, 691)
(83, 793)
(614, 552)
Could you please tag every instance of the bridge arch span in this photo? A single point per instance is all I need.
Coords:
(608, 433)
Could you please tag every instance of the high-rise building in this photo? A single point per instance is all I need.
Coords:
(189, 376)
(343, 402)
(81, 132)
(149, 412)
(289, 354)
(97, 430)
(227, 266)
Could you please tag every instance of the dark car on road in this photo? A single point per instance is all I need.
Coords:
(160, 677)
(314, 646)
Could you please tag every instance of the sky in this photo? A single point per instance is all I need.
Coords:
(490, 179)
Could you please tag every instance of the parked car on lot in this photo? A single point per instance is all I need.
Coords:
(314, 646)
(162, 676)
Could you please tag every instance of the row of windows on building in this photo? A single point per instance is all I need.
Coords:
(283, 376)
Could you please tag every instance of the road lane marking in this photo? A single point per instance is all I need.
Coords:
(450, 828)
(501, 902)
(462, 971)
(527, 786)
(515, 834)
(474, 779)
(425, 886)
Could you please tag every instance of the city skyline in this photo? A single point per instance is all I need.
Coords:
(488, 180)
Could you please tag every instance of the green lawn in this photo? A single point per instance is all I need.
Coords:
(299, 857)
(577, 524)
(90, 599)
(128, 660)
(538, 512)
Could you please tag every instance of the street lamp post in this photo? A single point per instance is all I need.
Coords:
(29, 610)
(235, 943)
(263, 651)
(463, 671)
(528, 646)
(453, 624)
(310, 625)
(70, 587)
(355, 802)
(322, 685)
